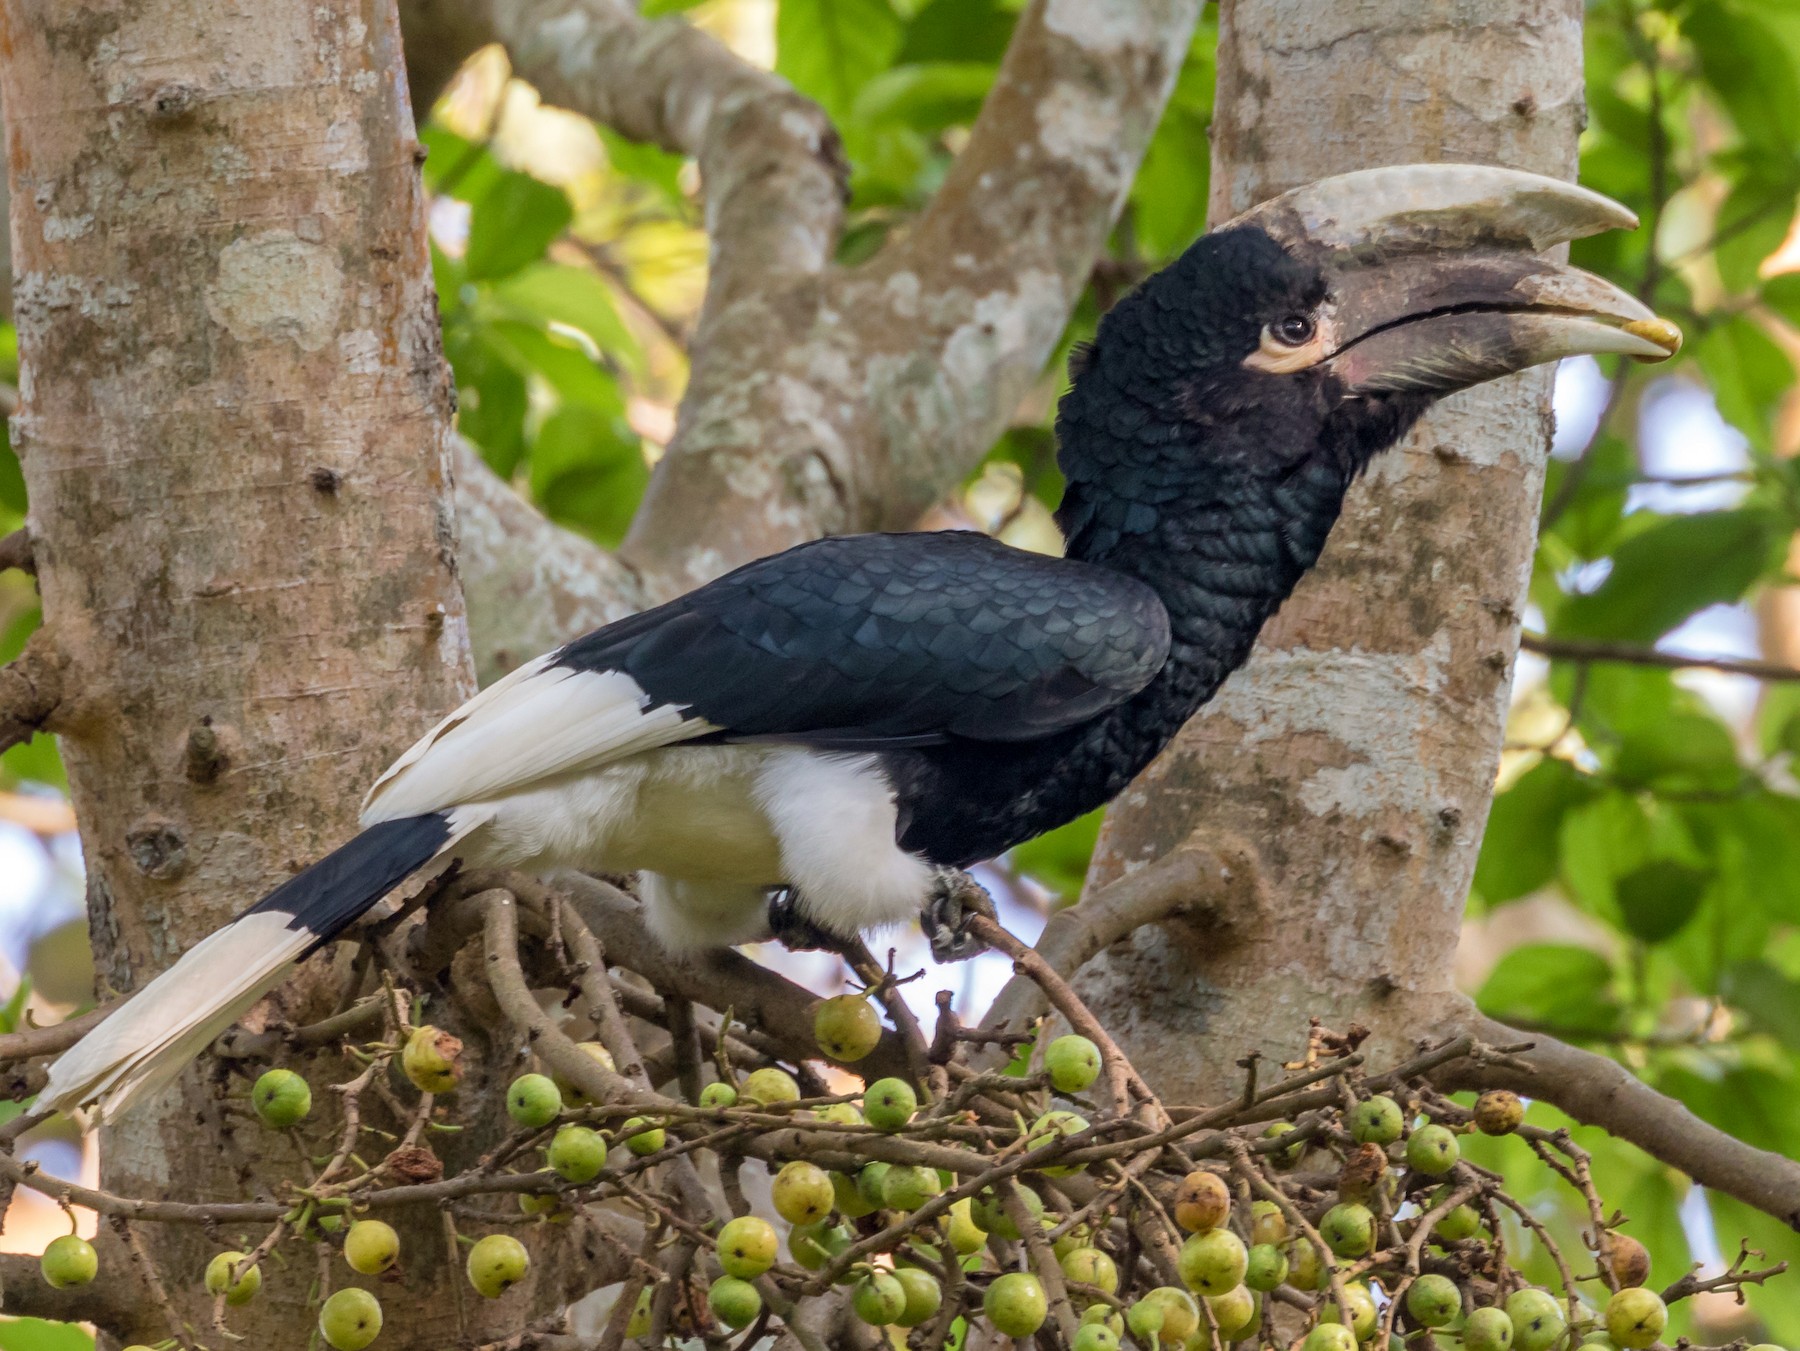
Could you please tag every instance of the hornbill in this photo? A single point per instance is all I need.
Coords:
(851, 723)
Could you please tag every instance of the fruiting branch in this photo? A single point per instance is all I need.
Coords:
(1598, 1091)
(31, 690)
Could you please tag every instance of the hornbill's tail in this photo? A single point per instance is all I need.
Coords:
(175, 1017)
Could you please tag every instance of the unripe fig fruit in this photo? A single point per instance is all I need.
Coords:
(1081, 1236)
(371, 1247)
(734, 1302)
(1213, 1261)
(577, 1153)
(1432, 1150)
(718, 1095)
(1106, 1316)
(878, 1298)
(923, 1296)
(1288, 1157)
(1267, 1267)
(1073, 1063)
(1306, 1269)
(1488, 1329)
(992, 1217)
(747, 1247)
(641, 1137)
(281, 1098)
(846, 1028)
(815, 1244)
(1095, 1337)
(1538, 1319)
(1051, 1126)
(1635, 1317)
(847, 1193)
(1361, 1305)
(769, 1085)
(533, 1100)
(1090, 1266)
(802, 1192)
(496, 1263)
(350, 1319)
(1329, 1337)
(1498, 1112)
(1267, 1223)
(871, 1179)
(909, 1186)
(1348, 1230)
(1433, 1301)
(547, 1203)
(889, 1104)
(641, 1313)
(1630, 1260)
(432, 1060)
(218, 1278)
(1181, 1313)
(844, 1114)
(71, 1260)
(1235, 1312)
(965, 1235)
(1458, 1223)
(1145, 1319)
(1202, 1202)
(573, 1096)
(1015, 1304)
(1377, 1121)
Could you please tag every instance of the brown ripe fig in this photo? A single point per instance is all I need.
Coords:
(1498, 1112)
(1202, 1202)
(1364, 1167)
(1629, 1260)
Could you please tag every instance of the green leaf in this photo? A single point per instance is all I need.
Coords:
(491, 399)
(577, 297)
(1168, 199)
(12, 477)
(1747, 373)
(1666, 571)
(1658, 899)
(1059, 859)
(1768, 997)
(1751, 224)
(1552, 985)
(958, 30)
(512, 224)
(926, 97)
(1519, 851)
(1751, 71)
(38, 1334)
(829, 49)
(560, 360)
(588, 471)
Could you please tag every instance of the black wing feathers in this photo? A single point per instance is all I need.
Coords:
(875, 641)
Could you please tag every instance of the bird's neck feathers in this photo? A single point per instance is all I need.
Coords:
(1218, 493)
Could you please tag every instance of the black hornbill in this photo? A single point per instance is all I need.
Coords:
(854, 721)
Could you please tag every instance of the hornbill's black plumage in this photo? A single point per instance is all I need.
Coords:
(855, 719)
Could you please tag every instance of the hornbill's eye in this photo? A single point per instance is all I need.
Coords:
(1295, 330)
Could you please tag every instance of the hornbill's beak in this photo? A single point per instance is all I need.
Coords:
(1433, 282)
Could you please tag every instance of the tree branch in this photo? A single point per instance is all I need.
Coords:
(1585, 650)
(31, 689)
(114, 1303)
(1598, 1091)
(529, 584)
(1191, 882)
(15, 552)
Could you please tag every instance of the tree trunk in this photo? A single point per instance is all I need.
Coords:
(1357, 750)
(234, 429)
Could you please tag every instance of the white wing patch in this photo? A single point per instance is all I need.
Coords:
(539, 722)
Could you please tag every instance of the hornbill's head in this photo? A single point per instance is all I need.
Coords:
(1320, 323)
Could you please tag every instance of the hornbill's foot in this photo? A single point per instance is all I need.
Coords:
(794, 931)
(955, 897)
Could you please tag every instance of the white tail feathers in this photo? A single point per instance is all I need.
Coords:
(171, 1020)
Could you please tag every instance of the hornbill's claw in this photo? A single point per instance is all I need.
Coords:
(955, 896)
(794, 930)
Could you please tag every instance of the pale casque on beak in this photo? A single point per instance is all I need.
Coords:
(1435, 283)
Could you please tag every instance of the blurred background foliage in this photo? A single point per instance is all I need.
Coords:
(1639, 889)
